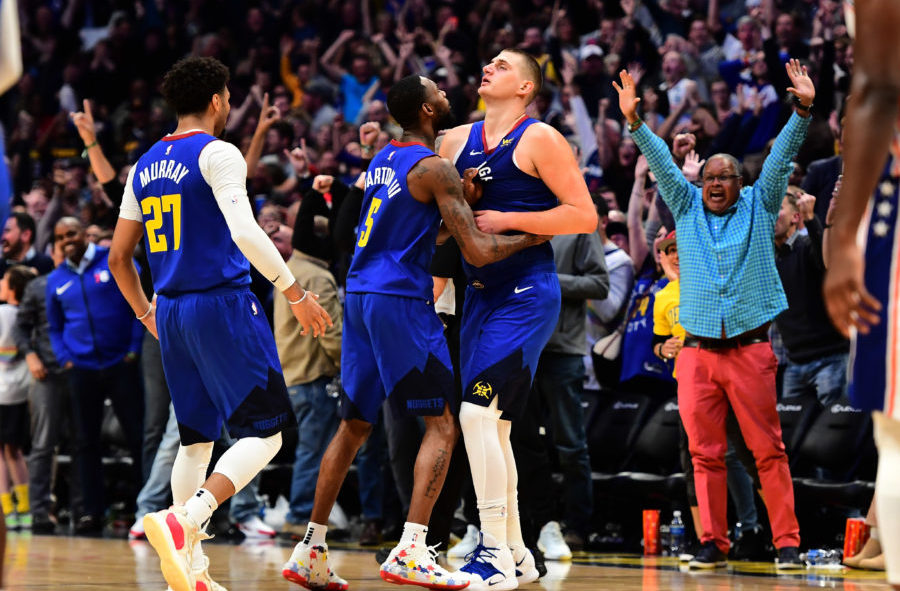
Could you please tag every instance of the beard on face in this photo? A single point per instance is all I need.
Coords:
(444, 121)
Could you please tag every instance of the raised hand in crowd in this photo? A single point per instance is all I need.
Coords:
(628, 98)
(299, 159)
(803, 88)
(84, 123)
(368, 135)
(692, 166)
(682, 145)
(322, 183)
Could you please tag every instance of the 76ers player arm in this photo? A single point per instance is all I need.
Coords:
(224, 169)
(874, 92)
(542, 153)
(436, 178)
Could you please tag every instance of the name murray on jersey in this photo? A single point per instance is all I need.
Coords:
(170, 169)
(383, 175)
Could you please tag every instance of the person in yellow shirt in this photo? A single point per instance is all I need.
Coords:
(668, 334)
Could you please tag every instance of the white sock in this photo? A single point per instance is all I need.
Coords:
(513, 525)
(492, 514)
(315, 534)
(873, 533)
(200, 507)
(413, 532)
(887, 493)
(481, 434)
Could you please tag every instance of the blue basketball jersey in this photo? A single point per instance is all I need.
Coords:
(638, 358)
(506, 188)
(396, 233)
(873, 361)
(188, 243)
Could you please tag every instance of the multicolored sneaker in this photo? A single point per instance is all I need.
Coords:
(308, 567)
(12, 521)
(416, 564)
(25, 520)
(203, 582)
(526, 571)
(490, 566)
(173, 534)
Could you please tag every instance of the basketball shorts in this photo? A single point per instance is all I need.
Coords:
(394, 348)
(504, 329)
(221, 366)
(875, 357)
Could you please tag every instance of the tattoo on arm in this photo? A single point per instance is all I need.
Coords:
(477, 247)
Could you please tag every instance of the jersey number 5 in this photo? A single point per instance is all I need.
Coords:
(155, 207)
(367, 230)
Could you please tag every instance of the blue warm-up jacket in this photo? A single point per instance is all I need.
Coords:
(91, 324)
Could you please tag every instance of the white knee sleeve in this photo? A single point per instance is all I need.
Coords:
(887, 492)
(513, 525)
(243, 460)
(481, 434)
(189, 470)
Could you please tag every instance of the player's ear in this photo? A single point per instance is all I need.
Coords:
(526, 87)
(429, 110)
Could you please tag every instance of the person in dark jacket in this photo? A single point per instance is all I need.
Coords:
(96, 340)
(18, 245)
(817, 352)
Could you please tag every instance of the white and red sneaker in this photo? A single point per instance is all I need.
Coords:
(173, 534)
(256, 529)
(308, 567)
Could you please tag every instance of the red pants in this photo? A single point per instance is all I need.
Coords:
(744, 377)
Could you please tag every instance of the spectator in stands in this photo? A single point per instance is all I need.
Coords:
(96, 339)
(18, 245)
(15, 381)
(310, 365)
(353, 83)
(605, 316)
(818, 354)
(48, 400)
(558, 387)
(727, 310)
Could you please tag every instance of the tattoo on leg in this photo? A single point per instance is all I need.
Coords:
(437, 470)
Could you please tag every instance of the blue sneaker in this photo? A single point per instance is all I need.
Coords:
(490, 566)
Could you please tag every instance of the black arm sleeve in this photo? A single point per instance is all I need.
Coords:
(347, 219)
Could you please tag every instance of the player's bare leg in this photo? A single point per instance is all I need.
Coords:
(308, 564)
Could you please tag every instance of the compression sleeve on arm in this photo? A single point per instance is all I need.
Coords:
(129, 208)
(223, 167)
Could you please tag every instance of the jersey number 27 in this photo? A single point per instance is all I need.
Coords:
(155, 207)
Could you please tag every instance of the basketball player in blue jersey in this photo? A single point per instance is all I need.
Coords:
(188, 196)
(394, 345)
(862, 288)
(531, 183)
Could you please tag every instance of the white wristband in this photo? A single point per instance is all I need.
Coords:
(305, 293)
(147, 313)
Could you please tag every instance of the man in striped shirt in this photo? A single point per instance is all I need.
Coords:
(730, 292)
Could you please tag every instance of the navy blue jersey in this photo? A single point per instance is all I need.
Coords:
(188, 243)
(396, 233)
(875, 378)
(506, 188)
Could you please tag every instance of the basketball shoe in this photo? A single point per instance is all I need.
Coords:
(526, 571)
(552, 543)
(416, 564)
(173, 534)
(308, 567)
(465, 545)
(490, 566)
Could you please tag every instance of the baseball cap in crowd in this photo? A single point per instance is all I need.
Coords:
(666, 242)
(590, 51)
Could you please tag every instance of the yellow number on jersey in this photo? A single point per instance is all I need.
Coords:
(156, 207)
(373, 209)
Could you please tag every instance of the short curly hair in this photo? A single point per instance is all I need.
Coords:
(191, 83)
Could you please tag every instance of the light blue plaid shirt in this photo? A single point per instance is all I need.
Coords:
(728, 274)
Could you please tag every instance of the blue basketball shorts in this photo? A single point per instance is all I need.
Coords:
(394, 348)
(221, 366)
(504, 329)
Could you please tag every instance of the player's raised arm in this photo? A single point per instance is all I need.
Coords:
(545, 153)
(224, 169)
(439, 178)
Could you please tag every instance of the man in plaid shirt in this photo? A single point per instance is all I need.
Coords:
(730, 292)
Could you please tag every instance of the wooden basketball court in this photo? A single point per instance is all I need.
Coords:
(89, 564)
